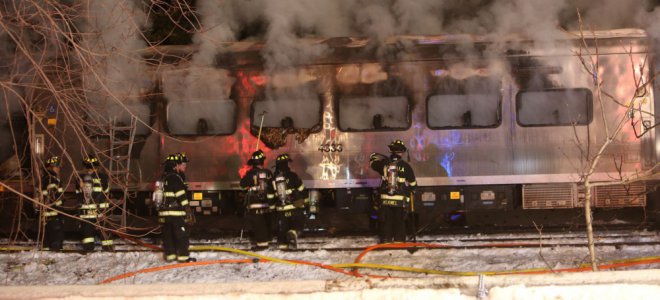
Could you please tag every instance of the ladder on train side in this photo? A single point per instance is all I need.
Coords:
(122, 137)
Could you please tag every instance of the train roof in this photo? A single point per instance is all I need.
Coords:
(341, 50)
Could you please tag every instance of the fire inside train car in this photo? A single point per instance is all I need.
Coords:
(498, 134)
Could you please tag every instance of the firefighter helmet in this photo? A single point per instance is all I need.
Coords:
(173, 158)
(183, 157)
(283, 158)
(53, 162)
(171, 162)
(257, 158)
(282, 161)
(91, 162)
(397, 146)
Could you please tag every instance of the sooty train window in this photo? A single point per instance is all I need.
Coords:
(463, 111)
(554, 107)
(374, 113)
(216, 117)
(302, 112)
(463, 102)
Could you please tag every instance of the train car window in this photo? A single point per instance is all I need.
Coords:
(207, 117)
(374, 113)
(556, 107)
(287, 112)
(464, 97)
(463, 111)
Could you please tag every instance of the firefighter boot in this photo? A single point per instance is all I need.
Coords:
(189, 259)
(260, 246)
(292, 239)
(169, 257)
(108, 245)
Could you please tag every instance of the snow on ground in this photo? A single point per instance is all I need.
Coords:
(36, 267)
(32, 268)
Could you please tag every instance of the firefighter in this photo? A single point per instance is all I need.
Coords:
(51, 191)
(398, 182)
(92, 190)
(289, 203)
(257, 183)
(173, 210)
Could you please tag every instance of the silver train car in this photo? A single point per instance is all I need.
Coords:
(498, 133)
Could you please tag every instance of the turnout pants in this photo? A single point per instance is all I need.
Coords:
(392, 225)
(54, 237)
(293, 219)
(176, 239)
(259, 227)
(89, 232)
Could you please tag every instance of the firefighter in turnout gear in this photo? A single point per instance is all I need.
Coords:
(257, 183)
(398, 182)
(92, 191)
(173, 210)
(289, 203)
(190, 215)
(51, 192)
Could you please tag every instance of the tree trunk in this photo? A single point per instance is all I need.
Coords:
(590, 230)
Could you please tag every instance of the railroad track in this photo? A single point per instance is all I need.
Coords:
(360, 249)
(619, 239)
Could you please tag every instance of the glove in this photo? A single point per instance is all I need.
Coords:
(376, 156)
(299, 203)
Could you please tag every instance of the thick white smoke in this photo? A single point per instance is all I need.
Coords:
(217, 28)
(112, 33)
(608, 14)
(286, 22)
(288, 28)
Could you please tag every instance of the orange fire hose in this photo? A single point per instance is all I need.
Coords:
(223, 261)
(392, 246)
(612, 265)
(175, 266)
(357, 263)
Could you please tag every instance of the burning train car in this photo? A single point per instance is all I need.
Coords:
(498, 133)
